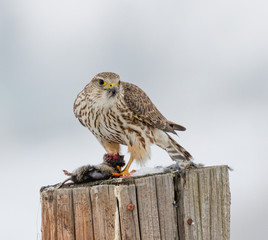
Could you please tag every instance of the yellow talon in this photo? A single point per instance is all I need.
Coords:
(125, 172)
(119, 168)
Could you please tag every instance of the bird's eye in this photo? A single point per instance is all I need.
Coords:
(101, 82)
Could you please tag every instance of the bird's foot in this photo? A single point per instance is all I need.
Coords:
(115, 175)
(128, 175)
(123, 174)
(119, 168)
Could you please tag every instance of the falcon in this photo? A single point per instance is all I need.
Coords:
(120, 113)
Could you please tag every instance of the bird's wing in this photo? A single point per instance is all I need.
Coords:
(145, 111)
(80, 104)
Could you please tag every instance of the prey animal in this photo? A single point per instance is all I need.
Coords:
(120, 113)
(111, 166)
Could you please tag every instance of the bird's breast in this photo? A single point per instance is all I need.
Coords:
(116, 124)
(106, 124)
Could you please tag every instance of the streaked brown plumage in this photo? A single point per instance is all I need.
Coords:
(121, 113)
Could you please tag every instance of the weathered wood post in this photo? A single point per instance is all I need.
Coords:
(193, 205)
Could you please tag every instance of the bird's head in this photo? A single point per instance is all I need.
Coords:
(106, 85)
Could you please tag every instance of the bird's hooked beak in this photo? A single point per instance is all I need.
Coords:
(113, 88)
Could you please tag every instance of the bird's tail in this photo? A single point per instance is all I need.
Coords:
(176, 151)
(176, 127)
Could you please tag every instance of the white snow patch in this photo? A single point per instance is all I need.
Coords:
(147, 170)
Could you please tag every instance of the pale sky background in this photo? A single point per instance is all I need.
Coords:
(203, 63)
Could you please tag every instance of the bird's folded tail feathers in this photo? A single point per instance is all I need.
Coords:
(176, 127)
(177, 152)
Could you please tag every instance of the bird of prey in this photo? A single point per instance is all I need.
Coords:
(120, 113)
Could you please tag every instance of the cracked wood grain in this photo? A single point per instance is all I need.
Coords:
(82, 214)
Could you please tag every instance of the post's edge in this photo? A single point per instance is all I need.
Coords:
(125, 181)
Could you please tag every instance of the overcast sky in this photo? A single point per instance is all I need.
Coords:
(203, 63)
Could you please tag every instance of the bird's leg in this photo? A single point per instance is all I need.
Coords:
(125, 171)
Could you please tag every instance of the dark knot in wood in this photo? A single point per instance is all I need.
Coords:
(130, 206)
(190, 221)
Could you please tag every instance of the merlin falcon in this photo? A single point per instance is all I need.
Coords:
(120, 113)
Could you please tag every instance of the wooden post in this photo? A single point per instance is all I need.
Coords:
(185, 206)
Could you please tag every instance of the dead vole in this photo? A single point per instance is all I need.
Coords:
(88, 173)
